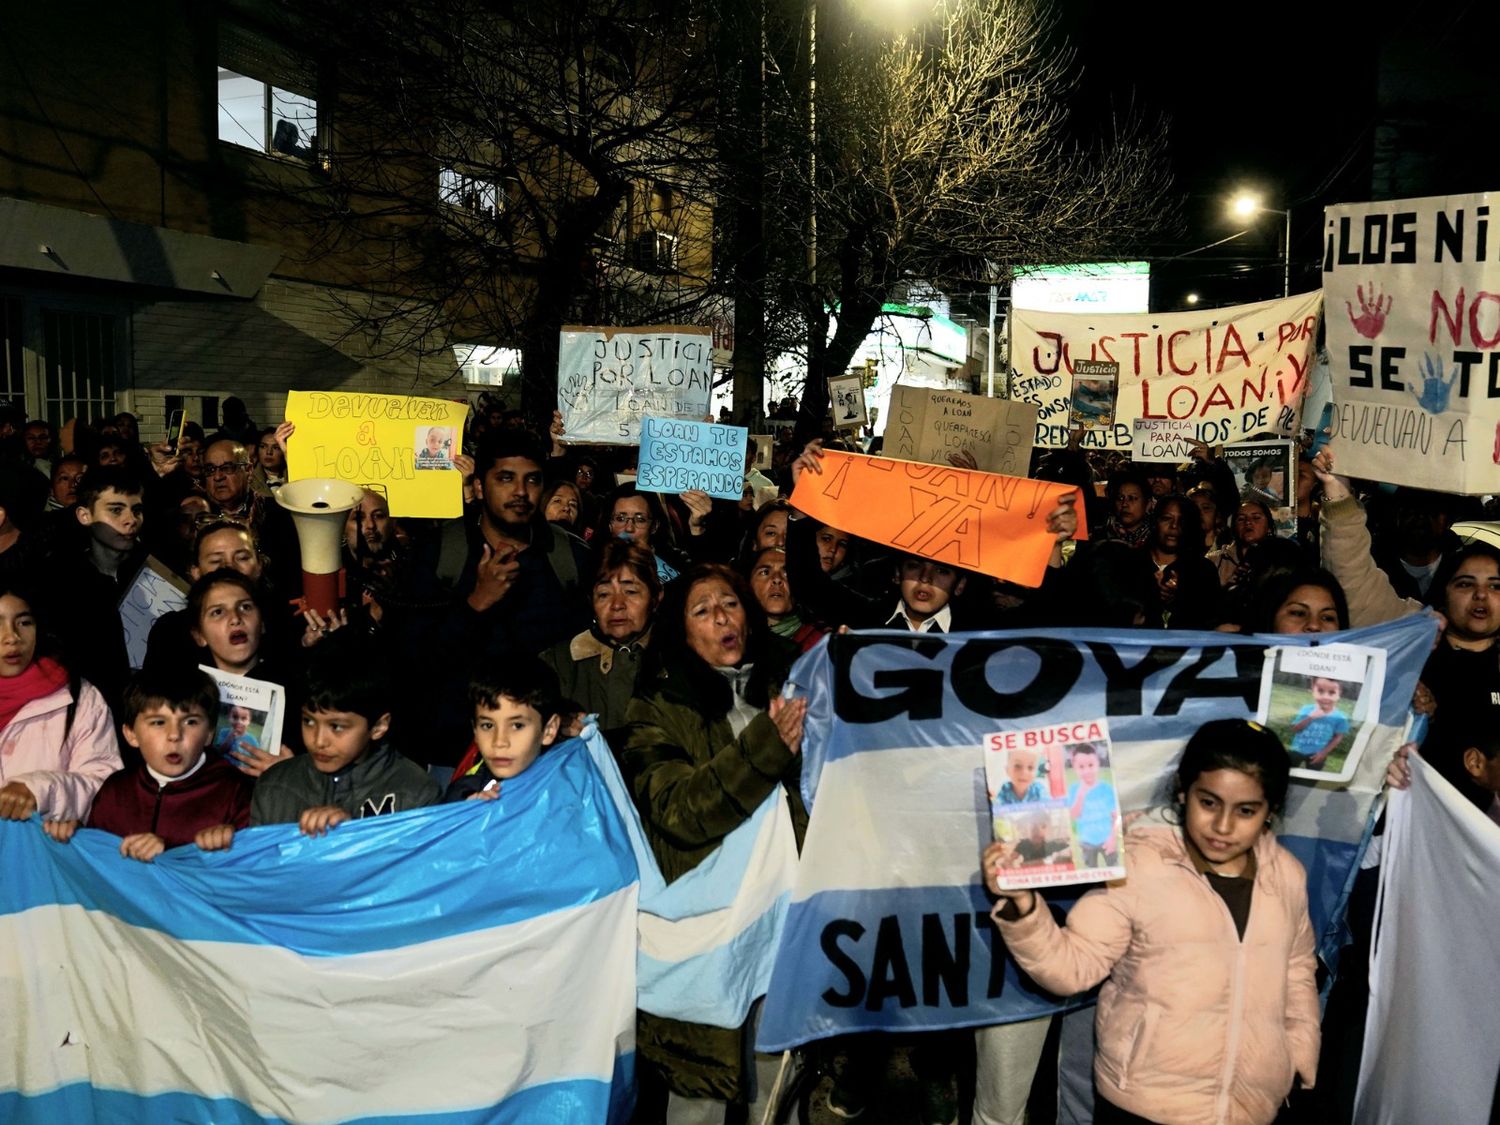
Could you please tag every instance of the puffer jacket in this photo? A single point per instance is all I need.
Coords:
(1194, 1025)
(63, 773)
(694, 782)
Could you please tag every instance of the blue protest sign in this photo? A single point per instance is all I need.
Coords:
(677, 456)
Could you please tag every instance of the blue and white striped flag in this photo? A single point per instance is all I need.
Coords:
(474, 962)
(888, 928)
(708, 940)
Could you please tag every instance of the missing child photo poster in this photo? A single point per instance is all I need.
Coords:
(1054, 804)
(250, 715)
(1318, 701)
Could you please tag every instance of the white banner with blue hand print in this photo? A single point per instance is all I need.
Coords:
(1413, 294)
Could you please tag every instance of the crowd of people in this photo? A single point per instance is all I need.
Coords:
(464, 649)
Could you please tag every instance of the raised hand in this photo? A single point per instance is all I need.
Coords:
(810, 460)
(1334, 487)
(316, 626)
(163, 460)
(1062, 521)
(699, 504)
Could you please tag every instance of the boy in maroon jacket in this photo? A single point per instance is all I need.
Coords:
(178, 795)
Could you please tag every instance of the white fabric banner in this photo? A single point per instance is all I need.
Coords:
(1234, 372)
(1413, 289)
(1432, 1037)
(609, 378)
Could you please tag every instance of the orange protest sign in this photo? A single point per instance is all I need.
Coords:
(984, 522)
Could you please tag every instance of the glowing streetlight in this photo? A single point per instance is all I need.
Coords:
(1245, 206)
(1191, 298)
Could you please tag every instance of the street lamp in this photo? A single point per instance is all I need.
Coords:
(1245, 205)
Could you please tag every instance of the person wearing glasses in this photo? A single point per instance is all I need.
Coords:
(226, 478)
(637, 516)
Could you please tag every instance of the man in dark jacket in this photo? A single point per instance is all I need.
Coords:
(516, 585)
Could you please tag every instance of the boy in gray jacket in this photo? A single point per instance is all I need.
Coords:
(347, 772)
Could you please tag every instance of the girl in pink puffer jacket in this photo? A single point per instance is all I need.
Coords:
(55, 749)
(1209, 1010)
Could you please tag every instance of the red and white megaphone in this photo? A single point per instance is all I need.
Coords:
(318, 506)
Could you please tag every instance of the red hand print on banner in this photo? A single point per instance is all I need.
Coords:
(1372, 312)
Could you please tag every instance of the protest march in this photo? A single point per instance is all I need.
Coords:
(1128, 743)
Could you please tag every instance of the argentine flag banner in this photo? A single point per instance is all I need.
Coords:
(889, 928)
(471, 962)
(707, 942)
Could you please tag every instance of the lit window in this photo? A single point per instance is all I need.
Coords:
(266, 95)
(468, 193)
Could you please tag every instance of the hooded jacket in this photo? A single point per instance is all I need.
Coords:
(1194, 1025)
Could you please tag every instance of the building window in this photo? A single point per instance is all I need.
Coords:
(82, 357)
(267, 95)
(484, 365)
(469, 193)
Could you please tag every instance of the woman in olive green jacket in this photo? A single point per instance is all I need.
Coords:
(707, 743)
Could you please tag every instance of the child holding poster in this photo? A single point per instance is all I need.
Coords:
(1051, 833)
(1209, 1006)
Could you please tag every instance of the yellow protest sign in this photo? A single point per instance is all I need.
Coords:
(985, 522)
(397, 445)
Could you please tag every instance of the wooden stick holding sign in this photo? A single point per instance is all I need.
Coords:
(984, 522)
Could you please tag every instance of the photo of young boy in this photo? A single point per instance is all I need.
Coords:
(1021, 783)
(435, 446)
(239, 729)
(1316, 700)
(848, 397)
(1319, 728)
(1093, 805)
(1053, 805)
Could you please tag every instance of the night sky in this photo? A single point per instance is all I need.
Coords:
(1289, 99)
